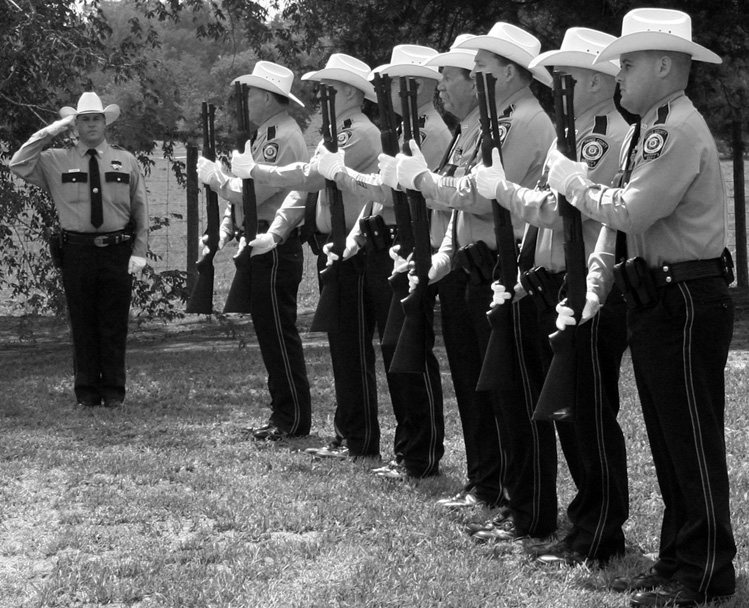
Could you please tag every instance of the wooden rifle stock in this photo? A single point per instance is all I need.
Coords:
(559, 393)
(328, 312)
(411, 350)
(201, 298)
(499, 366)
(239, 297)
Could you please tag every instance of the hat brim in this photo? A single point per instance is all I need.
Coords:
(261, 83)
(111, 112)
(574, 59)
(453, 59)
(657, 41)
(509, 51)
(345, 77)
(412, 70)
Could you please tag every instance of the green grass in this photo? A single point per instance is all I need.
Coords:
(166, 503)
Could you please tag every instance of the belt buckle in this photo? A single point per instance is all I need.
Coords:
(101, 241)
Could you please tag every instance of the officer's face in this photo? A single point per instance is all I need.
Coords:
(256, 105)
(91, 129)
(457, 91)
(636, 79)
(489, 63)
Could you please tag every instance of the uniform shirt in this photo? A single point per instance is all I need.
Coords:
(63, 173)
(599, 137)
(674, 207)
(279, 141)
(361, 141)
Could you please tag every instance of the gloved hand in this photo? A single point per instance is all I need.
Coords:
(399, 264)
(440, 268)
(350, 250)
(60, 126)
(203, 243)
(136, 264)
(501, 295)
(243, 164)
(562, 171)
(566, 316)
(210, 173)
(489, 178)
(388, 172)
(263, 243)
(330, 163)
(411, 167)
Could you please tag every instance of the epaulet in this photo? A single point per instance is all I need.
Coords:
(116, 147)
(271, 134)
(662, 113)
(601, 125)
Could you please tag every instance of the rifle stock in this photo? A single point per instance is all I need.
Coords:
(327, 316)
(559, 393)
(499, 366)
(201, 298)
(240, 293)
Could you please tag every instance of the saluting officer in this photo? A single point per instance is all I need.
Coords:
(673, 210)
(275, 273)
(100, 198)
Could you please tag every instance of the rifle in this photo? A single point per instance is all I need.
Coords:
(201, 298)
(239, 296)
(328, 313)
(410, 352)
(499, 366)
(398, 281)
(560, 385)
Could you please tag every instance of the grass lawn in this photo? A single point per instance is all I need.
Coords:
(165, 502)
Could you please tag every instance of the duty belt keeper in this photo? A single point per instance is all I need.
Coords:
(541, 286)
(378, 234)
(670, 274)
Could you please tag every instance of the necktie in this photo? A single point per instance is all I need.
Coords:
(97, 212)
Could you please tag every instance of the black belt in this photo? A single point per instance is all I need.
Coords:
(669, 274)
(96, 239)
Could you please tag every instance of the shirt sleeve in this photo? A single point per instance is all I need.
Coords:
(25, 162)
(139, 210)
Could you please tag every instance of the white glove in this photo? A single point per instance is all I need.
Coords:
(562, 171)
(566, 316)
(489, 178)
(210, 173)
(136, 264)
(350, 250)
(203, 243)
(410, 167)
(388, 171)
(262, 244)
(440, 268)
(413, 280)
(60, 126)
(501, 295)
(243, 164)
(399, 264)
(330, 163)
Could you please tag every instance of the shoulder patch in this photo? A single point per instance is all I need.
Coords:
(270, 152)
(504, 127)
(344, 137)
(422, 136)
(653, 143)
(592, 150)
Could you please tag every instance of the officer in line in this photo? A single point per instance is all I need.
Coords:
(275, 273)
(100, 198)
(420, 429)
(674, 212)
(357, 431)
(593, 443)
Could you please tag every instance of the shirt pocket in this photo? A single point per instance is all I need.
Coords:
(75, 187)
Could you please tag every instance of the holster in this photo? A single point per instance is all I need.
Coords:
(541, 286)
(378, 234)
(55, 249)
(634, 280)
(477, 260)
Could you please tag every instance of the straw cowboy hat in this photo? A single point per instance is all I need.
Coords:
(580, 48)
(90, 103)
(456, 57)
(348, 70)
(657, 29)
(513, 43)
(408, 60)
(270, 77)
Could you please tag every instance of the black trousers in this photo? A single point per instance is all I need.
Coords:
(275, 283)
(416, 398)
(679, 352)
(98, 289)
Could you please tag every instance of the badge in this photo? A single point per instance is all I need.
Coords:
(653, 144)
(503, 127)
(270, 152)
(343, 137)
(592, 150)
(116, 165)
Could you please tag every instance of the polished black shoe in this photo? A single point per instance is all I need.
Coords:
(642, 581)
(563, 555)
(673, 594)
(269, 432)
(502, 514)
(504, 531)
(461, 501)
(394, 471)
(113, 403)
(549, 547)
(334, 450)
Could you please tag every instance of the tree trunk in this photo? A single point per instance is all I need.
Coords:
(739, 203)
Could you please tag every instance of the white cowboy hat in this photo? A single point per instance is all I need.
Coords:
(512, 43)
(456, 57)
(348, 70)
(580, 48)
(657, 29)
(90, 103)
(408, 60)
(270, 77)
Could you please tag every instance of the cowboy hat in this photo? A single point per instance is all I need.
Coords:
(348, 70)
(456, 57)
(90, 103)
(513, 43)
(580, 48)
(657, 29)
(408, 60)
(270, 77)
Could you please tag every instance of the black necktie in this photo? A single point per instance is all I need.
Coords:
(97, 213)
